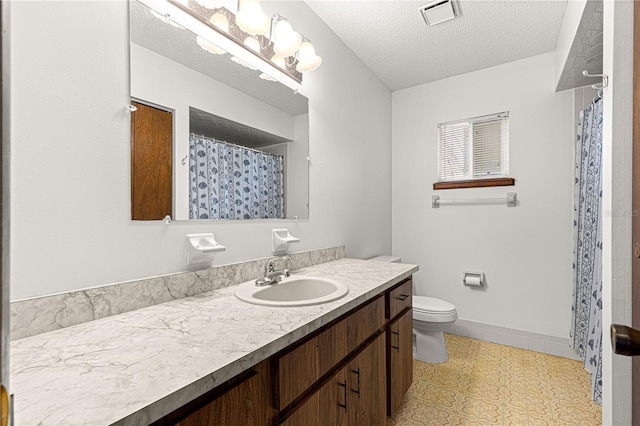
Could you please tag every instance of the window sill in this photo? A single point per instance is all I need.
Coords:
(476, 183)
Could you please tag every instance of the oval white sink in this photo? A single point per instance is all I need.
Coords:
(292, 291)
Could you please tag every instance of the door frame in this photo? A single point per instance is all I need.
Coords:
(4, 214)
(635, 269)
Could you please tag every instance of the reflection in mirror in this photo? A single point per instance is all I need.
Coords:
(218, 104)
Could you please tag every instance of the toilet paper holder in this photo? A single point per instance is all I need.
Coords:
(473, 279)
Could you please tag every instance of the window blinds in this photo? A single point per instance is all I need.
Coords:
(474, 148)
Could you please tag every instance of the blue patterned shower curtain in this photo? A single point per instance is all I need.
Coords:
(586, 327)
(232, 182)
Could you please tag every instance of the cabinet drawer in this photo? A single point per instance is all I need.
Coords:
(400, 298)
(299, 369)
(364, 322)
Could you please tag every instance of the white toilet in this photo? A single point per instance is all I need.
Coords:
(431, 317)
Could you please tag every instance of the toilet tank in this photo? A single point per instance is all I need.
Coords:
(387, 258)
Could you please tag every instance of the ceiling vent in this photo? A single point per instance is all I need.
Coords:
(439, 11)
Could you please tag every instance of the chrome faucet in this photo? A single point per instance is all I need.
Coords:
(273, 275)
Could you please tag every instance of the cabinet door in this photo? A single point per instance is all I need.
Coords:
(366, 378)
(400, 358)
(327, 407)
(363, 323)
(299, 369)
(248, 403)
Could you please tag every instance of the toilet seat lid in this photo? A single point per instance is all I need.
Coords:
(431, 304)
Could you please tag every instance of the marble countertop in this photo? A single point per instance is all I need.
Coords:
(136, 367)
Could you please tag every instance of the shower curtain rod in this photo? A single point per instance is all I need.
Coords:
(233, 144)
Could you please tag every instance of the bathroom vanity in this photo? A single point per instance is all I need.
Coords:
(213, 359)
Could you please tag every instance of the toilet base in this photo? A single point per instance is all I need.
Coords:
(430, 347)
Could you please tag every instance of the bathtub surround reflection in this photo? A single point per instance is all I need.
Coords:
(47, 313)
(234, 182)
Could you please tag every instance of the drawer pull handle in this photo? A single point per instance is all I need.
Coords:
(403, 297)
(344, 388)
(397, 346)
(357, 372)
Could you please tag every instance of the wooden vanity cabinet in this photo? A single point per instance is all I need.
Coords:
(355, 395)
(399, 344)
(399, 360)
(353, 371)
(245, 400)
(326, 407)
(300, 367)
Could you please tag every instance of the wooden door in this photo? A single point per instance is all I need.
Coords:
(151, 163)
(366, 379)
(327, 407)
(400, 360)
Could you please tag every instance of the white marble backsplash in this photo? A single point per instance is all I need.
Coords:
(47, 313)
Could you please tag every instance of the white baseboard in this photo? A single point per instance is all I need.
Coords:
(551, 345)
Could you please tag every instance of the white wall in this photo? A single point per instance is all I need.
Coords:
(161, 81)
(70, 153)
(298, 171)
(525, 251)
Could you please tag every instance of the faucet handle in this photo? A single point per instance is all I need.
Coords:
(271, 265)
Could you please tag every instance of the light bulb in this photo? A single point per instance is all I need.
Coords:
(252, 44)
(279, 61)
(251, 19)
(208, 46)
(286, 41)
(307, 58)
(220, 21)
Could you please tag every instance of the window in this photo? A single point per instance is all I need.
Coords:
(474, 152)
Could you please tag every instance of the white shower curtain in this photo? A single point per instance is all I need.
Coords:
(586, 327)
(233, 182)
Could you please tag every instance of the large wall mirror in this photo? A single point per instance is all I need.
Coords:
(238, 143)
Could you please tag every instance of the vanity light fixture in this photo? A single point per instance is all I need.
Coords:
(243, 63)
(251, 19)
(307, 58)
(209, 47)
(285, 41)
(211, 4)
(279, 61)
(220, 21)
(252, 43)
(277, 51)
(267, 77)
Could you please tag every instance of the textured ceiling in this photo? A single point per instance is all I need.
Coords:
(392, 39)
(222, 129)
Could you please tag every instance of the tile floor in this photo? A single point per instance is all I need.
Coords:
(485, 383)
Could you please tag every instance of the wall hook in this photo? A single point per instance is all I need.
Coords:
(605, 80)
